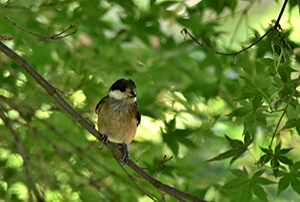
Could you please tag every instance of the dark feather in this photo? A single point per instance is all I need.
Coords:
(138, 115)
(99, 104)
(122, 84)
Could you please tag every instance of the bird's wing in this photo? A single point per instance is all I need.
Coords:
(99, 104)
(138, 115)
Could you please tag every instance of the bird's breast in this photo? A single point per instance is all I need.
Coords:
(118, 121)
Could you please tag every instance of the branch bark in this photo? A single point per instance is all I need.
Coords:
(54, 93)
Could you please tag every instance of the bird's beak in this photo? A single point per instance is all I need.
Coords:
(132, 94)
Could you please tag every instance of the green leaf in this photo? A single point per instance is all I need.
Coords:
(278, 156)
(220, 6)
(285, 160)
(243, 187)
(171, 125)
(261, 117)
(234, 184)
(275, 157)
(175, 136)
(275, 165)
(247, 139)
(238, 148)
(290, 178)
(293, 112)
(182, 137)
(257, 101)
(240, 173)
(245, 193)
(284, 151)
(264, 159)
(241, 111)
(259, 192)
(264, 181)
(249, 120)
(265, 150)
(290, 124)
(256, 182)
(257, 174)
(266, 61)
(295, 182)
(283, 184)
(224, 155)
(295, 167)
(298, 126)
(277, 148)
(171, 142)
(234, 143)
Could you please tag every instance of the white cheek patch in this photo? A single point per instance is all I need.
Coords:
(116, 94)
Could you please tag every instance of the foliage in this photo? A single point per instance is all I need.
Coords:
(238, 149)
(244, 186)
(189, 97)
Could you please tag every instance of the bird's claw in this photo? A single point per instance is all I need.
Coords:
(125, 158)
(104, 139)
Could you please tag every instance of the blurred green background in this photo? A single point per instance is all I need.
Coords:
(188, 97)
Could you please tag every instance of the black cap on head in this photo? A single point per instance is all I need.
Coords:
(122, 84)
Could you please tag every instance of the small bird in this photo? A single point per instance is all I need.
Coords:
(119, 115)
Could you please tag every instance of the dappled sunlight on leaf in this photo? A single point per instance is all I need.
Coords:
(78, 99)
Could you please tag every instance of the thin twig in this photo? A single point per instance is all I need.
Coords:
(285, 111)
(64, 31)
(64, 92)
(5, 37)
(280, 14)
(163, 196)
(55, 37)
(131, 178)
(160, 171)
(23, 154)
(61, 151)
(185, 32)
(163, 161)
(277, 25)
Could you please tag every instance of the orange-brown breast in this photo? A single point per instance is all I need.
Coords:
(119, 125)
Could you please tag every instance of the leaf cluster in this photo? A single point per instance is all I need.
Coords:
(189, 98)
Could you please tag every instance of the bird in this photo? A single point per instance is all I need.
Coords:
(119, 115)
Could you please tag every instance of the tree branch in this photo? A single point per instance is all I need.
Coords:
(53, 92)
(277, 25)
(55, 37)
(5, 4)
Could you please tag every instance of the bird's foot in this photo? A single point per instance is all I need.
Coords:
(104, 139)
(125, 158)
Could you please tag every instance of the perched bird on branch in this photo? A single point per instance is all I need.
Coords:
(119, 115)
